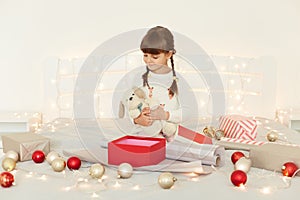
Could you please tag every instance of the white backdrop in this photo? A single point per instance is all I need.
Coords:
(32, 32)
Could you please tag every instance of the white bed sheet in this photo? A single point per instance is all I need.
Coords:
(39, 181)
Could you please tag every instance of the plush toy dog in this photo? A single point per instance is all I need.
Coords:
(136, 102)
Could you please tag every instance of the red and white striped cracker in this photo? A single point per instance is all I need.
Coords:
(236, 126)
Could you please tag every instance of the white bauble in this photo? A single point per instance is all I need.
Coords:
(51, 156)
(243, 164)
(12, 154)
(166, 180)
(125, 170)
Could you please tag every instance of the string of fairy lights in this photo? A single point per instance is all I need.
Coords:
(232, 70)
(241, 84)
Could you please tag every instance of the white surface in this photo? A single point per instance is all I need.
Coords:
(39, 181)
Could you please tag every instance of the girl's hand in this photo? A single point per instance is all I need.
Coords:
(159, 114)
(144, 118)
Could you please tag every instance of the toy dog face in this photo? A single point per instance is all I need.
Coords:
(135, 102)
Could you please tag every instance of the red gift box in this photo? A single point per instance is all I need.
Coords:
(240, 127)
(194, 136)
(137, 151)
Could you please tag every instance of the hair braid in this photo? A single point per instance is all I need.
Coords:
(174, 88)
(145, 78)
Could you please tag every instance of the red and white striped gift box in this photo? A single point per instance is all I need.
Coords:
(237, 126)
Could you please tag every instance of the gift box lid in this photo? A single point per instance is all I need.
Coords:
(139, 144)
(24, 137)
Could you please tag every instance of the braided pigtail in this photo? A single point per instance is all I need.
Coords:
(174, 88)
(145, 78)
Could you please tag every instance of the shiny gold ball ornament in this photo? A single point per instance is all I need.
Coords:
(96, 171)
(125, 170)
(209, 131)
(52, 156)
(8, 164)
(166, 180)
(58, 164)
(272, 136)
(12, 154)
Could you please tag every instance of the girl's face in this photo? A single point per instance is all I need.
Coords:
(156, 61)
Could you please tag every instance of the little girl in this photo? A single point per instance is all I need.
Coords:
(160, 82)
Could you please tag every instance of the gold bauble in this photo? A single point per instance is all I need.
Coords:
(8, 164)
(166, 180)
(272, 136)
(12, 154)
(96, 171)
(125, 170)
(209, 131)
(58, 164)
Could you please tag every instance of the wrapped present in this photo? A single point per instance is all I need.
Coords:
(138, 151)
(272, 156)
(237, 126)
(25, 144)
(193, 135)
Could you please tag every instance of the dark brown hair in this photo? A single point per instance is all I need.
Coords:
(159, 40)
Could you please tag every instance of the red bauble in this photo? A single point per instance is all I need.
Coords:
(289, 169)
(6, 179)
(73, 163)
(38, 156)
(236, 156)
(238, 178)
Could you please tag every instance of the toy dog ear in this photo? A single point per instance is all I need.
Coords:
(121, 110)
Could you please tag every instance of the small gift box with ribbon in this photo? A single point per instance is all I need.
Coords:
(25, 144)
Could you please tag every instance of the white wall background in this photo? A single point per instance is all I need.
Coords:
(33, 31)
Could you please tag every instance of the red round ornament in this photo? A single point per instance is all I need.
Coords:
(238, 178)
(236, 156)
(38, 156)
(74, 163)
(289, 169)
(6, 179)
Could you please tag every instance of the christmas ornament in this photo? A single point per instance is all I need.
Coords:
(74, 163)
(219, 134)
(236, 156)
(51, 156)
(96, 171)
(6, 179)
(272, 136)
(238, 178)
(288, 169)
(166, 180)
(58, 164)
(38, 156)
(243, 164)
(13, 155)
(8, 164)
(209, 131)
(125, 170)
